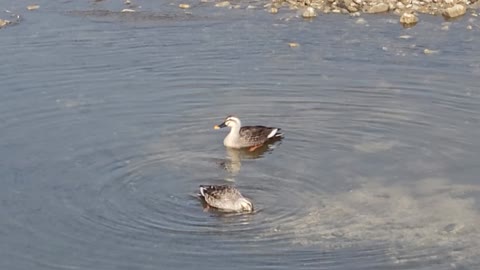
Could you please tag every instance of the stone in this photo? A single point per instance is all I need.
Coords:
(428, 51)
(273, 10)
(128, 10)
(184, 6)
(293, 44)
(408, 19)
(223, 4)
(361, 21)
(33, 7)
(455, 11)
(378, 8)
(309, 12)
(4, 23)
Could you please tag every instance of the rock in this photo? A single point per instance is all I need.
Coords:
(309, 12)
(469, 27)
(408, 19)
(378, 8)
(33, 7)
(223, 4)
(358, 2)
(293, 44)
(273, 10)
(127, 2)
(4, 23)
(361, 21)
(184, 6)
(128, 10)
(428, 51)
(455, 11)
(400, 5)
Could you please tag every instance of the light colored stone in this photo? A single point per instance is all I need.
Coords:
(469, 27)
(4, 23)
(223, 4)
(33, 7)
(361, 21)
(184, 6)
(273, 10)
(128, 10)
(455, 11)
(400, 5)
(127, 2)
(378, 8)
(358, 2)
(428, 51)
(309, 12)
(408, 19)
(293, 44)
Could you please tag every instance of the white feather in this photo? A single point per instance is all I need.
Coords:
(274, 131)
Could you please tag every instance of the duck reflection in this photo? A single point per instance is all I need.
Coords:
(233, 161)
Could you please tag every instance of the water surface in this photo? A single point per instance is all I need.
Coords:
(107, 121)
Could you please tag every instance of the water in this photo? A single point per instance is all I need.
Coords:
(107, 131)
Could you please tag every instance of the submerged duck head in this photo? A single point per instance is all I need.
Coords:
(230, 121)
(245, 205)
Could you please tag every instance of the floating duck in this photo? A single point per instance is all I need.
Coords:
(248, 136)
(225, 198)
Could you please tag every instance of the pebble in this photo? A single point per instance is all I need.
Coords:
(4, 23)
(361, 21)
(223, 4)
(378, 8)
(309, 12)
(455, 11)
(33, 7)
(469, 27)
(127, 2)
(184, 6)
(293, 44)
(128, 10)
(428, 51)
(273, 10)
(408, 19)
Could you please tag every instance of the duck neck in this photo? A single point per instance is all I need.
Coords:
(233, 136)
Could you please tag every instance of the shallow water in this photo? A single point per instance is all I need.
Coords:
(107, 132)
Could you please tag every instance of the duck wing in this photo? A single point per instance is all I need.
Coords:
(253, 135)
(220, 196)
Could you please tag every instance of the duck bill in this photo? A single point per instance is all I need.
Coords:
(222, 125)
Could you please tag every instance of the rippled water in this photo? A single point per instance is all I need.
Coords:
(107, 122)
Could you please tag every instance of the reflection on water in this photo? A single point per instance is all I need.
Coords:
(233, 162)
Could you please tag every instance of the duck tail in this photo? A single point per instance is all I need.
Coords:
(278, 133)
(202, 189)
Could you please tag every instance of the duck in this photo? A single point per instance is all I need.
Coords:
(251, 137)
(225, 198)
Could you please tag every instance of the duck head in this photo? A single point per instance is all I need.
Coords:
(230, 121)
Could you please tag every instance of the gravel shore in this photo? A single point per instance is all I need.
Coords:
(406, 9)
